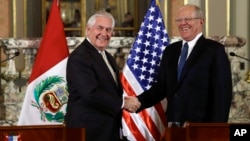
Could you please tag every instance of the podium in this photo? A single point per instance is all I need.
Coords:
(42, 133)
(207, 132)
(198, 132)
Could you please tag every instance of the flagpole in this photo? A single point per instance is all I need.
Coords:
(158, 3)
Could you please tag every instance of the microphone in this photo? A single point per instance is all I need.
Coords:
(15, 55)
(233, 54)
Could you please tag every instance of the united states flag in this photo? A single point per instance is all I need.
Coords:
(139, 74)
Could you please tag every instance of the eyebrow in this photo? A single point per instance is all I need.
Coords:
(102, 26)
(107, 28)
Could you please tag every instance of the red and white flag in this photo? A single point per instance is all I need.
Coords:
(46, 94)
(139, 73)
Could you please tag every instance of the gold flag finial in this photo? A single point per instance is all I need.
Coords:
(157, 3)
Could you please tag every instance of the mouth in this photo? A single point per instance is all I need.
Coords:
(102, 38)
(185, 29)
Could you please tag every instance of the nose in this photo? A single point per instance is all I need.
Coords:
(105, 32)
(183, 21)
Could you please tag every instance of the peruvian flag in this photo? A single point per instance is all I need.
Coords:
(46, 94)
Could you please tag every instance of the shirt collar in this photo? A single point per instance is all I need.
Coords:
(192, 43)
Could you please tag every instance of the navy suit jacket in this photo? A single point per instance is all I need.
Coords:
(204, 91)
(95, 99)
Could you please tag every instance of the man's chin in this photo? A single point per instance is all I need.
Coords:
(102, 43)
(102, 47)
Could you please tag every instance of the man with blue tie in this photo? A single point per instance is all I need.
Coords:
(194, 75)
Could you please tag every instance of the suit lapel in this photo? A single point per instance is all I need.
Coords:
(98, 57)
(193, 57)
(113, 65)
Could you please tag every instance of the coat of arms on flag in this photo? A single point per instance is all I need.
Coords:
(50, 95)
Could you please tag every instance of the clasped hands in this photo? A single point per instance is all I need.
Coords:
(131, 104)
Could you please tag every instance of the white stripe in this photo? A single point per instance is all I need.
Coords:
(132, 80)
(156, 118)
(142, 126)
(126, 131)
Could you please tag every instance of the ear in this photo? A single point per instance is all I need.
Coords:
(87, 29)
(202, 21)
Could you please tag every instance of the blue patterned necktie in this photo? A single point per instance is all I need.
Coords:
(183, 58)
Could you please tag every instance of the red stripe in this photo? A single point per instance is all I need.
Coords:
(132, 126)
(144, 114)
(150, 124)
(161, 113)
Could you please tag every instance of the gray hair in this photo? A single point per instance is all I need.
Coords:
(92, 19)
(198, 11)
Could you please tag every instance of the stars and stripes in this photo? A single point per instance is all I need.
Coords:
(139, 74)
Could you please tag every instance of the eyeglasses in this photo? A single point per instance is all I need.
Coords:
(186, 20)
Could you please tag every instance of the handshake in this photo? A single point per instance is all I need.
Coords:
(131, 104)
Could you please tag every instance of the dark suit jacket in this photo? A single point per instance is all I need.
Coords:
(204, 91)
(95, 99)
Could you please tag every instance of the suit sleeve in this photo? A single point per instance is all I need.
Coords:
(222, 86)
(157, 92)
